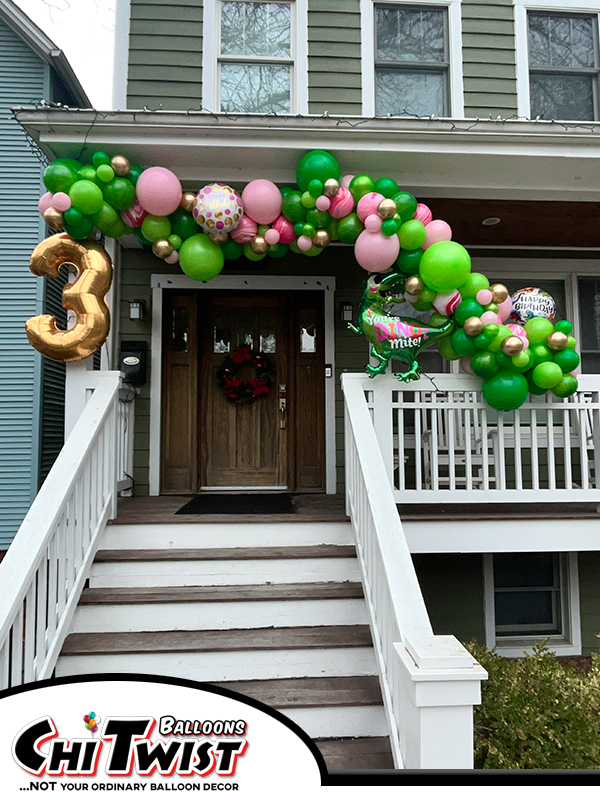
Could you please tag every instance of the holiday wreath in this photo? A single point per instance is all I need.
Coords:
(245, 392)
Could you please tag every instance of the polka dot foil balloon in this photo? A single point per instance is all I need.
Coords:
(218, 208)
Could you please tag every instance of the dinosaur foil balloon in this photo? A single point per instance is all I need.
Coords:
(391, 336)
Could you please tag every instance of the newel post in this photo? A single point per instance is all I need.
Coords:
(440, 682)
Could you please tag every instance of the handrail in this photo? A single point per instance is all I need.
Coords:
(46, 566)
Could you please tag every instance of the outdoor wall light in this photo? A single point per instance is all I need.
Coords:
(346, 312)
(136, 309)
(489, 221)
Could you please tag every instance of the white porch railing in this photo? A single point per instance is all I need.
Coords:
(429, 683)
(444, 444)
(44, 571)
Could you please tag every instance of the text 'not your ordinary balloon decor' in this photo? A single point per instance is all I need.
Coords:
(513, 344)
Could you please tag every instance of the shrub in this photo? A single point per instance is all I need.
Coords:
(536, 714)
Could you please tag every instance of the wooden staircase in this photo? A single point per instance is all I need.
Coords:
(273, 610)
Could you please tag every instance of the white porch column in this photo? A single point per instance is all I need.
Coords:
(440, 682)
(75, 391)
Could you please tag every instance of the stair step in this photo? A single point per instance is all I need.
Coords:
(307, 692)
(229, 640)
(356, 753)
(340, 721)
(228, 553)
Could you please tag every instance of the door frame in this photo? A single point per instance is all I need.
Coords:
(240, 283)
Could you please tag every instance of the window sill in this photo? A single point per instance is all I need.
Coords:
(517, 646)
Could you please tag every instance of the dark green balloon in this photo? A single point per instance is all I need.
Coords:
(386, 186)
(484, 364)
(277, 250)
(318, 219)
(567, 359)
(533, 387)
(183, 224)
(446, 349)
(563, 326)
(119, 193)
(59, 177)
(467, 308)
(316, 165)
(568, 386)
(71, 162)
(118, 229)
(106, 218)
(81, 231)
(287, 189)
(99, 158)
(505, 390)
(140, 236)
(408, 261)
(406, 204)
(463, 344)
(292, 208)
(350, 228)
(231, 249)
(134, 173)
(333, 229)
(73, 217)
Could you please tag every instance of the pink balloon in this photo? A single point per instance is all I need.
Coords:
(465, 364)
(158, 191)
(173, 258)
(423, 214)
(490, 317)
(304, 243)
(373, 223)
(61, 201)
(262, 201)
(346, 181)
(285, 229)
(518, 330)
(575, 372)
(272, 236)
(342, 204)
(376, 252)
(446, 303)
(411, 298)
(504, 309)
(323, 202)
(368, 205)
(484, 296)
(245, 231)
(436, 231)
(134, 216)
(45, 202)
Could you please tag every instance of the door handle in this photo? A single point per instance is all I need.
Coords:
(282, 404)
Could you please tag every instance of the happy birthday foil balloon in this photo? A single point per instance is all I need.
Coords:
(85, 297)
(218, 208)
(393, 337)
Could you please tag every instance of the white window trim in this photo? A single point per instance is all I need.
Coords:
(567, 644)
(455, 74)
(210, 44)
(521, 39)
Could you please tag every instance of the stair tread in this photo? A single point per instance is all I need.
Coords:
(309, 692)
(365, 752)
(203, 641)
(216, 594)
(229, 553)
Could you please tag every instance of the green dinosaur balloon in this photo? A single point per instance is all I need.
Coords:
(393, 336)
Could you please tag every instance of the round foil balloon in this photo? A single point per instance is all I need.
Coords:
(531, 302)
(218, 208)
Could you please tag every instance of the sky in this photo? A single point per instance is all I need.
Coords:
(84, 30)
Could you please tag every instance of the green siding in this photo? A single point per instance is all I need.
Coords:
(589, 593)
(489, 62)
(165, 55)
(334, 63)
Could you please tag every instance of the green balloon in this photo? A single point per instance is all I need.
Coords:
(446, 349)
(361, 185)
(71, 162)
(106, 217)
(183, 223)
(287, 189)
(496, 343)
(332, 229)
(436, 320)
(155, 228)
(200, 257)
(422, 305)
(463, 344)
(140, 236)
(467, 308)
(120, 193)
(251, 255)
(484, 364)
(315, 188)
(292, 208)
(100, 159)
(350, 228)
(533, 388)
(427, 296)
(473, 284)
(307, 200)
(105, 172)
(73, 217)
(411, 234)
(232, 250)
(277, 250)
(59, 177)
(505, 390)
(317, 165)
(406, 204)
(314, 251)
(523, 361)
(118, 229)
(540, 353)
(86, 196)
(537, 329)
(571, 342)
(386, 186)
(81, 231)
(567, 386)
(318, 219)
(389, 227)
(567, 359)
(504, 360)
(308, 230)
(445, 266)
(176, 241)
(89, 174)
(547, 375)
(408, 261)
(564, 327)
(134, 173)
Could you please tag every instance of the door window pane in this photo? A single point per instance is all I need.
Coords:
(255, 29)
(221, 335)
(255, 88)
(180, 329)
(268, 328)
(308, 330)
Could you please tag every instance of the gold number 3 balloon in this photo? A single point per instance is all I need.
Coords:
(85, 297)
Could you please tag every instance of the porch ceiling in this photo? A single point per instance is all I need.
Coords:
(433, 158)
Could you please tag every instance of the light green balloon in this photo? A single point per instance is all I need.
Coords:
(86, 196)
(412, 234)
(547, 374)
(200, 257)
(474, 283)
(155, 228)
(537, 329)
(445, 266)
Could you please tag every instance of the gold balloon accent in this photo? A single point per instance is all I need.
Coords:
(387, 208)
(259, 245)
(120, 165)
(321, 238)
(54, 218)
(219, 237)
(85, 297)
(557, 340)
(499, 292)
(162, 248)
(331, 187)
(188, 201)
(414, 285)
(473, 326)
(512, 345)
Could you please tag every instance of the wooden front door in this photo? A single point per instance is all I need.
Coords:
(276, 441)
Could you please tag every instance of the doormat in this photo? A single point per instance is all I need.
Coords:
(239, 504)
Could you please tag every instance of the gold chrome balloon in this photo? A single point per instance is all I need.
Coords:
(499, 292)
(162, 248)
(85, 297)
(557, 340)
(414, 285)
(219, 237)
(321, 238)
(512, 345)
(331, 187)
(188, 201)
(120, 165)
(473, 326)
(386, 209)
(259, 245)
(54, 218)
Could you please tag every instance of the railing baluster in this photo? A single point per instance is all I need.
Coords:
(468, 452)
(567, 446)
(485, 458)
(535, 461)
(41, 612)
(5, 664)
(418, 439)
(518, 454)
(550, 445)
(16, 649)
(451, 436)
(29, 634)
(435, 484)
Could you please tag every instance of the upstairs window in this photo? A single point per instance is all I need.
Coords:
(411, 61)
(563, 66)
(255, 57)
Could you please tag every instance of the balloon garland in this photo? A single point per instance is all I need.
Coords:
(511, 343)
